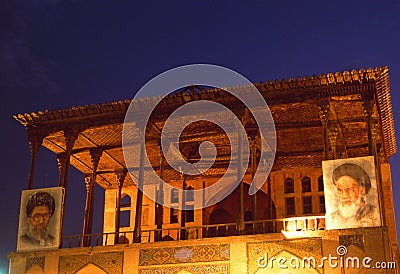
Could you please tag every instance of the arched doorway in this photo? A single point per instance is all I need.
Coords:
(91, 269)
(220, 216)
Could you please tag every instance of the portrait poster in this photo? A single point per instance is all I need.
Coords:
(40, 218)
(350, 190)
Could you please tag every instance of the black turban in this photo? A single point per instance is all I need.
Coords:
(354, 171)
(40, 199)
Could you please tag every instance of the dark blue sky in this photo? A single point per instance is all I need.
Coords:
(57, 54)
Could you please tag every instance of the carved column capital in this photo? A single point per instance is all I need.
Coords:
(368, 103)
(95, 154)
(88, 181)
(121, 175)
(375, 129)
(35, 140)
(252, 140)
(332, 136)
(323, 107)
(70, 136)
(62, 161)
(368, 107)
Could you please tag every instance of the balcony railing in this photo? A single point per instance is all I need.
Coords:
(197, 232)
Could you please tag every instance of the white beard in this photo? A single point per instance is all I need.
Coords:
(349, 211)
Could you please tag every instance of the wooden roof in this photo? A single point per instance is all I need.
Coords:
(295, 105)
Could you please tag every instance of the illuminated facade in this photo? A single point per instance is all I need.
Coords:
(334, 116)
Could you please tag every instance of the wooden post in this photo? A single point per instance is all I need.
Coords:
(63, 161)
(368, 109)
(90, 182)
(34, 145)
(120, 174)
(368, 103)
(323, 115)
(269, 215)
(241, 189)
(70, 136)
(139, 199)
(332, 136)
(159, 206)
(183, 235)
(86, 230)
(253, 151)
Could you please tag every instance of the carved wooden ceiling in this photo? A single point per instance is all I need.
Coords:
(298, 106)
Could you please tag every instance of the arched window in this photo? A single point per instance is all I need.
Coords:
(307, 204)
(320, 183)
(290, 206)
(174, 196)
(125, 211)
(190, 194)
(322, 204)
(173, 215)
(306, 184)
(289, 185)
(189, 213)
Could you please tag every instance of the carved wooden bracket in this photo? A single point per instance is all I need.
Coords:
(95, 153)
(70, 136)
(121, 175)
(88, 181)
(323, 107)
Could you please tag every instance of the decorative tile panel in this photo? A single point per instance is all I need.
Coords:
(39, 261)
(196, 269)
(110, 262)
(298, 247)
(184, 254)
(355, 239)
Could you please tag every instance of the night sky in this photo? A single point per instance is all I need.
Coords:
(58, 54)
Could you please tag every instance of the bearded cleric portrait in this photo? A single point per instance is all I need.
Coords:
(40, 219)
(351, 196)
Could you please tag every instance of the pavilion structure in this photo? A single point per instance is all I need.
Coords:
(325, 117)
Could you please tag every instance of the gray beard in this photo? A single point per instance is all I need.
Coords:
(38, 233)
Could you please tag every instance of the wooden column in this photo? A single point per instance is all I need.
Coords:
(63, 159)
(120, 174)
(90, 181)
(240, 220)
(269, 216)
(160, 194)
(253, 154)
(139, 199)
(62, 166)
(89, 193)
(368, 104)
(35, 141)
(183, 235)
(323, 107)
(62, 163)
(332, 137)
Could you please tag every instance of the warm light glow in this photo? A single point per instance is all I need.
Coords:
(292, 234)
